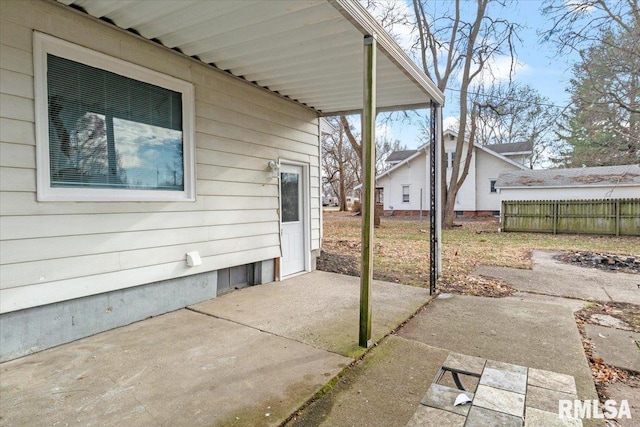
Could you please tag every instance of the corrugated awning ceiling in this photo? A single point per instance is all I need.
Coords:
(308, 50)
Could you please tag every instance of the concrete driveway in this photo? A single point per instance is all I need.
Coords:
(251, 357)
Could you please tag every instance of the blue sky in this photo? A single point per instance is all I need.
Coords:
(539, 65)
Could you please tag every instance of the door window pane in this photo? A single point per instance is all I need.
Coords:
(290, 196)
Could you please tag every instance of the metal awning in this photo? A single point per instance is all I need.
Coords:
(307, 50)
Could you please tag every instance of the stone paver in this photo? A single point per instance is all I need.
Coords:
(462, 362)
(505, 376)
(481, 417)
(545, 399)
(615, 347)
(426, 416)
(507, 395)
(443, 397)
(538, 418)
(495, 399)
(552, 381)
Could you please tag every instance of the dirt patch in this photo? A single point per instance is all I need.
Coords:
(627, 313)
(468, 285)
(350, 265)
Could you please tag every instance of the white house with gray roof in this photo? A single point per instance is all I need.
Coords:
(602, 182)
(403, 189)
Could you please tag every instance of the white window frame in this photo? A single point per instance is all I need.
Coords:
(408, 187)
(44, 44)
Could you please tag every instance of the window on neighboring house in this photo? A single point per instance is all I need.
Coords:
(451, 157)
(405, 194)
(109, 130)
(492, 186)
(379, 195)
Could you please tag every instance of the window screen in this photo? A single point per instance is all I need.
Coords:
(112, 131)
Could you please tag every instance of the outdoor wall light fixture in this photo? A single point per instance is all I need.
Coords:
(274, 167)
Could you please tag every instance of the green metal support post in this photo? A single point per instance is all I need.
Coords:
(368, 166)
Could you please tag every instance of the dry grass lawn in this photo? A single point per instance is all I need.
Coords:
(401, 251)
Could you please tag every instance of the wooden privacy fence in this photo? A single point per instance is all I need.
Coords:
(618, 217)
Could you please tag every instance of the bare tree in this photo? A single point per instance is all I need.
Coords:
(511, 113)
(383, 146)
(456, 50)
(339, 164)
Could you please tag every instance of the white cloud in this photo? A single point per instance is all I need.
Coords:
(579, 6)
(451, 122)
(499, 69)
(145, 146)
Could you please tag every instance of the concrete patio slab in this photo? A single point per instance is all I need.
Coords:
(182, 368)
(566, 280)
(536, 335)
(616, 347)
(320, 309)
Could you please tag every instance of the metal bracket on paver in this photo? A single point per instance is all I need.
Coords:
(454, 374)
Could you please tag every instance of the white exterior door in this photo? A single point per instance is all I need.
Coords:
(293, 220)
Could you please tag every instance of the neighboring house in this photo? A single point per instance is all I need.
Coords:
(403, 189)
(156, 153)
(602, 182)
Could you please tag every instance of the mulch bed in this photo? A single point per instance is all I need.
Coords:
(607, 262)
(470, 285)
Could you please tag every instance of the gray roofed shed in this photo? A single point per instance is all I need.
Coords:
(626, 175)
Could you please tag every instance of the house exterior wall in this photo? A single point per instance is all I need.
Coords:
(573, 193)
(523, 159)
(466, 197)
(489, 167)
(474, 197)
(412, 175)
(57, 251)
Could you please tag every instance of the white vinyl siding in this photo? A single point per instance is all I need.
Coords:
(466, 197)
(60, 250)
(489, 167)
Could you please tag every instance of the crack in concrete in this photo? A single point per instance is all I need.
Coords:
(266, 332)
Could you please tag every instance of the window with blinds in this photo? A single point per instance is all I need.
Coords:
(116, 133)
